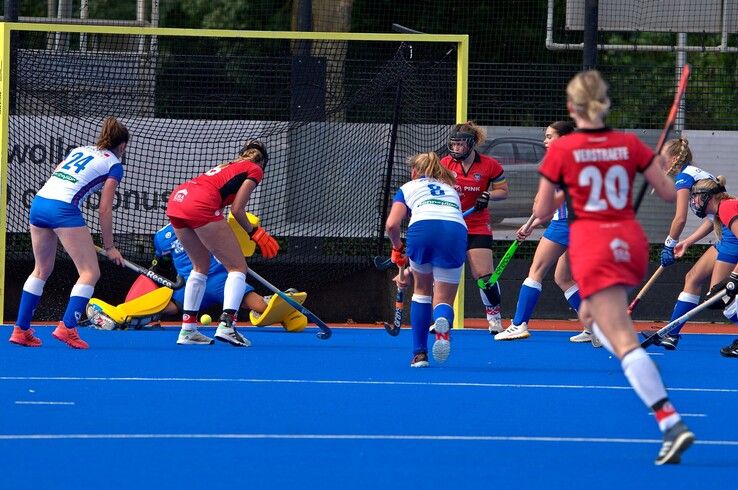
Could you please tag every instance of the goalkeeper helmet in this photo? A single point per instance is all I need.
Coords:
(254, 144)
(699, 196)
(461, 138)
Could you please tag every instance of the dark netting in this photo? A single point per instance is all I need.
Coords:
(338, 120)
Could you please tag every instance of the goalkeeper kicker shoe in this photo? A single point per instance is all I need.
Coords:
(193, 337)
(676, 441)
(442, 345)
(24, 337)
(514, 332)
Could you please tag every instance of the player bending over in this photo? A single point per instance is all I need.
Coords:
(146, 303)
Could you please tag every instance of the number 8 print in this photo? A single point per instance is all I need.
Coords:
(436, 190)
(616, 187)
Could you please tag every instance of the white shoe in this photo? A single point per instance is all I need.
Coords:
(442, 345)
(595, 341)
(192, 337)
(495, 324)
(581, 337)
(514, 332)
(228, 334)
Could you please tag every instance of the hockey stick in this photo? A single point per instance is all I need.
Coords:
(504, 260)
(325, 331)
(157, 278)
(670, 119)
(394, 328)
(664, 331)
(385, 263)
(645, 289)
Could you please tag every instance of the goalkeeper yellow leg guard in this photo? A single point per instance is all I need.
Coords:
(294, 321)
(147, 304)
(110, 311)
(278, 311)
(248, 247)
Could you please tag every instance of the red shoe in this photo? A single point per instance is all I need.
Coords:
(24, 337)
(69, 336)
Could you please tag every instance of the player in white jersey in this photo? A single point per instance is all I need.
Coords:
(436, 250)
(56, 216)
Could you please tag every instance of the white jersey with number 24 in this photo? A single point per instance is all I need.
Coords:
(84, 171)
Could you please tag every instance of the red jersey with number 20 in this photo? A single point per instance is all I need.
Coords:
(596, 168)
(484, 171)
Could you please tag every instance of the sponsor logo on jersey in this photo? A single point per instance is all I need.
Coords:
(63, 176)
(472, 188)
(616, 154)
(438, 202)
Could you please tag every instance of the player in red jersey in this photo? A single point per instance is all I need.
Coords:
(479, 180)
(608, 250)
(195, 210)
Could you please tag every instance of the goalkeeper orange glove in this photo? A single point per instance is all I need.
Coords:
(266, 242)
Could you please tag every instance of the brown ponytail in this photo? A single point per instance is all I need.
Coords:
(112, 134)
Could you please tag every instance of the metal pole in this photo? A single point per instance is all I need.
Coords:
(681, 61)
(589, 59)
(304, 23)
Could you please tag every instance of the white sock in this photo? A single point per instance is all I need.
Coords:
(235, 286)
(643, 376)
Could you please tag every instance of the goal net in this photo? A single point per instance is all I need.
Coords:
(339, 114)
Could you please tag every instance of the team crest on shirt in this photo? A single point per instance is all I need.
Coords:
(168, 235)
(477, 177)
(620, 250)
(180, 195)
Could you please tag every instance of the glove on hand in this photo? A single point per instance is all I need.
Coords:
(482, 201)
(398, 257)
(667, 256)
(731, 288)
(266, 242)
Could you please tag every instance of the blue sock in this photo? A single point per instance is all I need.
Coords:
(32, 291)
(420, 321)
(444, 310)
(530, 291)
(685, 302)
(573, 298)
(81, 294)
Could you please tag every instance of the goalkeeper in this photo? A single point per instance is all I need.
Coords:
(146, 303)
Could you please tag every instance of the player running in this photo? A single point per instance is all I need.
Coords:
(608, 250)
(195, 210)
(436, 248)
(551, 250)
(479, 180)
(56, 216)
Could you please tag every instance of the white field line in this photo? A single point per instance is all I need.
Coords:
(348, 382)
(22, 402)
(357, 437)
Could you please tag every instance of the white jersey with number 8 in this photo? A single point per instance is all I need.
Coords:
(84, 171)
(430, 199)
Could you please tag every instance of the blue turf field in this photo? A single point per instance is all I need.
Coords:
(138, 411)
